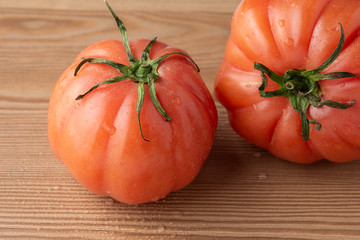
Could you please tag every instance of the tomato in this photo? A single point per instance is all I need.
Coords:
(96, 130)
(287, 81)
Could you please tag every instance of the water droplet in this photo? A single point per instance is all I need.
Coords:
(262, 176)
(257, 155)
(155, 198)
(333, 28)
(77, 105)
(177, 100)
(112, 130)
(289, 41)
(110, 201)
(281, 22)
(293, 5)
(61, 83)
(109, 128)
(56, 187)
(160, 229)
(142, 220)
(347, 130)
(342, 85)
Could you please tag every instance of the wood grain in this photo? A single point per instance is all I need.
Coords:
(242, 192)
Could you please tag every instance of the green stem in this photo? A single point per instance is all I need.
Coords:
(120, 67)
(154, 98)
(142, 71)
(336, 75)
(160, 59)
(108, 81)
(335, 53)
(265, 70)
(302, 87)
(146, 52)
(334, 104)
(123, 32)
(139, 104)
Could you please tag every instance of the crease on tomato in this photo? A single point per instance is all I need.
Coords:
(201, 101)
(292, 29)
(234, 54)
(351, 52)
(327, 25)
(197, 87)
(273, 129)
(163, 89)
(256, 45)
(174, 159)
(338, 124)
(347, 135)
(108, 128)
(193, 120)
(274, 125)
(339, 149)
(300, 151)
(278, 49)
(116, 136)
(241, 86)
(66, 86)
(255, 122)
(312, 38)
(351, 38)
(350, 123)
(77, 107)
(139, 179)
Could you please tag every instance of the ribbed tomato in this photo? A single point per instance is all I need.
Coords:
(289, 84)
(95, 127)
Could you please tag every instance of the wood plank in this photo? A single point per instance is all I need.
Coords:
(155, 6)
(55, 37)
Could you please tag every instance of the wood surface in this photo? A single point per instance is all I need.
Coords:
(242, 191)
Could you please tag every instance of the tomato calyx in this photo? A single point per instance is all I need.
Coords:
(142, 71)
(302, 89)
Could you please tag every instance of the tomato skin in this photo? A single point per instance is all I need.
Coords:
(98, 137)
(287, 35)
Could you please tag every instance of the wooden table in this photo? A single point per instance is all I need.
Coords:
(242, 191)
